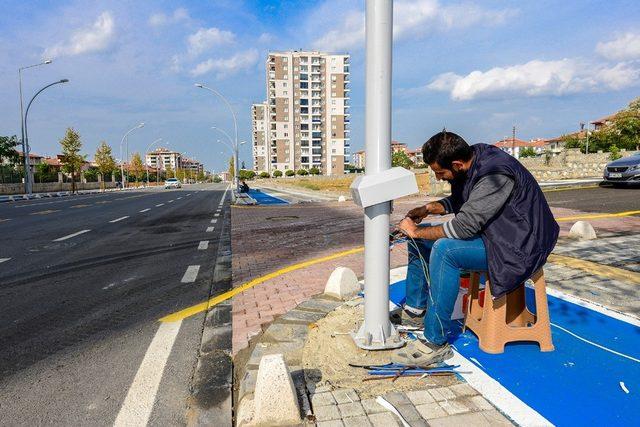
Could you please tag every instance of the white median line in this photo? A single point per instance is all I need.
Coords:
(188, 194)
(213, 221)
(71, 235)
(7, 259)
(138, 404)
(210, 229)
(191, 274)
(159, 204)
(179, 198)
(217, 214)
(201, 246)
(145, 210)
(170, 201)
(119, 219)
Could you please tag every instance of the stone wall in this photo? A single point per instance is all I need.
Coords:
(569, 164)
(52, 187)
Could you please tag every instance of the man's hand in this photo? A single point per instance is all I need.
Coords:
(417, 214)
(408, 227)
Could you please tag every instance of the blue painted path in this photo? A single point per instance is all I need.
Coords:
(266, 199)
(579, 382)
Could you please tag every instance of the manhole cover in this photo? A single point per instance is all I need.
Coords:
(282, 218)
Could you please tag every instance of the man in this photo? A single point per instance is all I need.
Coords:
(502, 225)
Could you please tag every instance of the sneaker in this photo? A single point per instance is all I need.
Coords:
(407, 318)
(422, 354)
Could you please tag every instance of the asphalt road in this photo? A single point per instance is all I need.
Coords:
(599, 199)
(83, 282)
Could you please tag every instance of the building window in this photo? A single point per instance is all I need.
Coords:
(333, 78)
(285, 93)
(333, 94)
(333, 102)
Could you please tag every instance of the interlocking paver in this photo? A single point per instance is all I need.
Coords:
(384, 419)
(346, 395)
(420, 397)
(327, 413)
(429, 411)
(372, 407)
(441, 394)
(361, 421)
(322, 399)
(348, 410)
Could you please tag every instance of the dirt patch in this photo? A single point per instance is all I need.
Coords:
(329, 349)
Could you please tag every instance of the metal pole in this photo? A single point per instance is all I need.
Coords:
(377, 333)
(122, 158)
(146, 166)
(26, 134)
(587, 152)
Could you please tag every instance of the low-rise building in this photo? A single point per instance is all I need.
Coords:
(514, 146)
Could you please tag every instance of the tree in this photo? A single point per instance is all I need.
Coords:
(400, 158)
(169, 172)
(615, 152)
(72, 160)
(528, 152)
(289, 172)
(277, 173)
(105, 161)
(91, 174)
(136, 167)
(217, 179)
(302, 172)
(45, 173)
(232, 170)
(8, 151)
(314, 171)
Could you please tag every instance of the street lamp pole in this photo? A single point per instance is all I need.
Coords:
(122, 158)
(26, 133)
(27, 183)
(146, 165)
(235, 127)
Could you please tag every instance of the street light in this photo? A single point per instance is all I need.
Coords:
(235, 127)
(146, 166)
(140, 125)
(28, 188)
(27, 183)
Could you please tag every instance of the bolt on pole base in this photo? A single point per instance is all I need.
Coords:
(368, 341)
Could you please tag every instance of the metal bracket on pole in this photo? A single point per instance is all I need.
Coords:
(377, 332)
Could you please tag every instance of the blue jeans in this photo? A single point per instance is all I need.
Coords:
(444, 259)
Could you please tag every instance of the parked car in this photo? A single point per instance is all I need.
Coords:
(172, 183)
(623, 171)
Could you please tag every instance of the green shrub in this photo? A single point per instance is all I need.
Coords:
(217, 179)
(277, 173)
(527, 152)
(264, 175)
(615, 152)
(289, 172)
(246, 174)
(302, 172)
(314, 171)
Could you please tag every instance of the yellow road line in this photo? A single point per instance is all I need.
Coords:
(596, 269)
(203, 306)
(596, 216)
(45, 212)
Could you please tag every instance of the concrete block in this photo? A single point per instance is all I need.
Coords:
(245, 412)
(384, 419)
(429, 411)
(361, 421)
(463, 390)
(343, 283)
(420, 397)
(348, 410)
(322, 399)
(326, 413)
(372, 407)
(275, 397)
(582, 230)
(442, 393)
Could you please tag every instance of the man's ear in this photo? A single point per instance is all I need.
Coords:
(457, 165)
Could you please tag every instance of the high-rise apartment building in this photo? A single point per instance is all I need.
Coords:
(304, 122)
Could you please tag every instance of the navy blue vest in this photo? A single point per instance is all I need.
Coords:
(522, 235)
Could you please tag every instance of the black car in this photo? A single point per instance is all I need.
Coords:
(623, 171)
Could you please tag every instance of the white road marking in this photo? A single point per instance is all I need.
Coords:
(170, 201)
(7, 259)
(145, 210)
(71, 235)
(118, 219)
(109, 286)
(188, 194)
(179, 198)
(218, 210)
(217, 214)
(159, 204)
(138, 404)
(201, 246)
(213, 221)
(191, 274)
(210, 229)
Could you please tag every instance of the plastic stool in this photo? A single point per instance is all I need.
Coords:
(507, 318)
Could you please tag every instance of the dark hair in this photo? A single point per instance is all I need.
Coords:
(445, 147)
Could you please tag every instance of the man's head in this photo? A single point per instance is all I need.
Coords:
(448, 155)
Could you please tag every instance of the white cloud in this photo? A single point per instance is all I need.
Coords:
(411, 18)
(536, 78)
(92, 39)
(225, 66)
(266, 38)
(625, 47)
(160, 19)
(205, 38)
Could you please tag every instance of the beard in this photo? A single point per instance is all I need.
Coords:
(458, 176)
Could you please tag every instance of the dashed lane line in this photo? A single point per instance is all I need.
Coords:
(191, 274)
(79, 206)
(159, 204)
(170, 201)
(188, 194)
(77, 233)
(203, 245)
(45, 212)
(217, 214)
(179, 198)
(138, 404)
(7, 259)
(119, 219)
(210, 229)
(5, 219)
(145, 210)
(213, 221)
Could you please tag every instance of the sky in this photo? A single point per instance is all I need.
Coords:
(476, 68)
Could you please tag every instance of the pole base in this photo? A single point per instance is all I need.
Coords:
(367, 340)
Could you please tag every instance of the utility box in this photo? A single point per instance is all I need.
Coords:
(391, 184)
